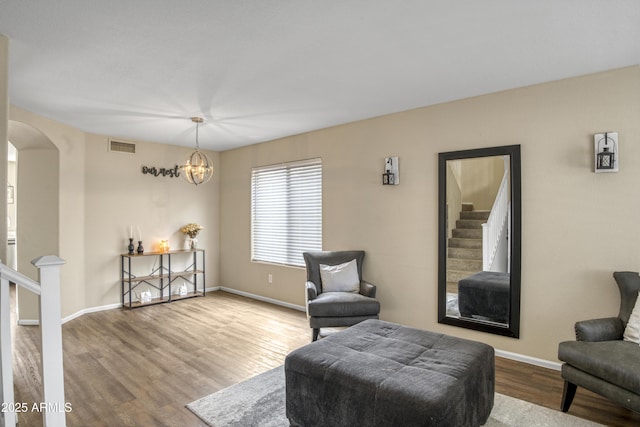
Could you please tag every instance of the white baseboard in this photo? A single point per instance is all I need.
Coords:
(90, 310)
(36, 322)
(501, 353)
(265, 299)
(111, 307)
(529, 359)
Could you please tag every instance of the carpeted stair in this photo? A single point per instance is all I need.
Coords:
(465, 247)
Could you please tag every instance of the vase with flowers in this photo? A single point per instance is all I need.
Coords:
(192, 231)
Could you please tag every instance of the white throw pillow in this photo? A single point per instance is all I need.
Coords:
(340, 278)
(632, 331)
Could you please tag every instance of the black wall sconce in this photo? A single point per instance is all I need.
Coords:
(391, 175)
(606, 150)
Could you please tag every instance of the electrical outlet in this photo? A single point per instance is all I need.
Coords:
(270, 278)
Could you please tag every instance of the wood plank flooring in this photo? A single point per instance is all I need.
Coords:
(140, 367)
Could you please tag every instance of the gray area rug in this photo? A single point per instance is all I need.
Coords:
(259, 402)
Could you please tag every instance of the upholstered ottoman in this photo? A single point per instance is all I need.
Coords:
(378, 373)
(485, 296)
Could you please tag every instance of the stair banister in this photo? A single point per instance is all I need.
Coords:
(53, 407)
(6, 367)
(494, 228)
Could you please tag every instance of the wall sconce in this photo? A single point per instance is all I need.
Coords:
(391, 175)
(606, 151)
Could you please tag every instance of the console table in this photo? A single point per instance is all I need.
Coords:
(162, 277)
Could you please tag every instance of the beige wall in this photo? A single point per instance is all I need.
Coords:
(481, 179)
(38, 213)
(578, 226)
(4, 118)
(119, 195)
(101, 193)
(30, 131)
(11, 208)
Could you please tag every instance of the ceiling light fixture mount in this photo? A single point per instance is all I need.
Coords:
(198, 169)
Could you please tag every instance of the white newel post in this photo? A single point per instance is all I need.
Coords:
(51, 329)
(8, 418)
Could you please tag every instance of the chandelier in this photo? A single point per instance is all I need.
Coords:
(198, 169)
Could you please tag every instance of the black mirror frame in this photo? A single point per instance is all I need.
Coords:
(513, 151)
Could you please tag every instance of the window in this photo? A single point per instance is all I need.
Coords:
(286, 211)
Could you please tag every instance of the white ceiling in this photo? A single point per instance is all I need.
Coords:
(260, 70)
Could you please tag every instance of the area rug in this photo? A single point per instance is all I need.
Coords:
(259, 402)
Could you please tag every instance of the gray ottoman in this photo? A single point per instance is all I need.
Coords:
(485, 296)
(382, 374)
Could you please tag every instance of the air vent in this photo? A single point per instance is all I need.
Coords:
(122, 147)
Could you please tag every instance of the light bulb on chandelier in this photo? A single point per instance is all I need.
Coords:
(197, 169)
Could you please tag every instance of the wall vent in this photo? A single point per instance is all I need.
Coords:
(122, 147)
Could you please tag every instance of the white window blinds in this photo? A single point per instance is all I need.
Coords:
(286, 211)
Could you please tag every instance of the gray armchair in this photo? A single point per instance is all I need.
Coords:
(334, 309)
(599, 360)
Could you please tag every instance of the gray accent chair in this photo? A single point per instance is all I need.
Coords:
(599, 360)
(335, 309)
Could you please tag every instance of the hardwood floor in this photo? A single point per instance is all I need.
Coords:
(140, 367)
(544, 387)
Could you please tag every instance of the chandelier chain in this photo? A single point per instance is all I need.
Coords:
(197, 143)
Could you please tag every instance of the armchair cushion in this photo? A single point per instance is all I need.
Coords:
(632, 331)
(313, 260)
(615, 362)
(339, 304)
(340, 278)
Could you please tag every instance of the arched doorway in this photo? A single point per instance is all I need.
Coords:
(37, 206)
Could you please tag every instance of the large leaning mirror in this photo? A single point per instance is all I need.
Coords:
(479, 220)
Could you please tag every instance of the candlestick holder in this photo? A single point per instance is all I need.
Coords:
(131, 247)
(140, 248)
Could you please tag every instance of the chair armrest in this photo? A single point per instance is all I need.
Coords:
(312, 291)
(367, 289)
(606, 329)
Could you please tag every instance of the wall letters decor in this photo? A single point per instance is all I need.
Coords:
(171, 173)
